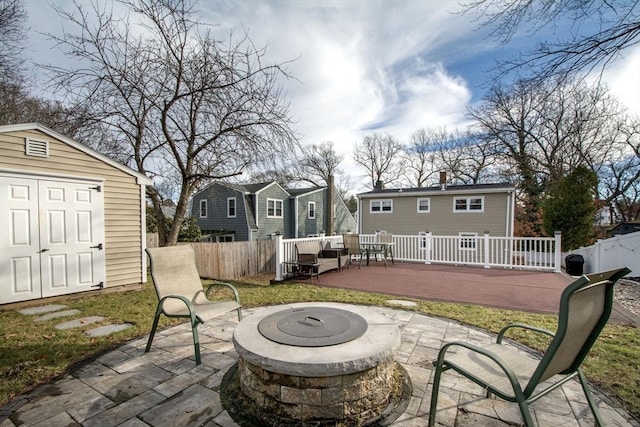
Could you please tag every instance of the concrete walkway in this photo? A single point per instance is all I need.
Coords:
(126, 387)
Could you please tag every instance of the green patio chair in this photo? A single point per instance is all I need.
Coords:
(585, 306)
(180, 292)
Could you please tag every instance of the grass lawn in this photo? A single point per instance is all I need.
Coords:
(33, 353)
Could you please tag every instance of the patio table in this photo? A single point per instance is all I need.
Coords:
(384, 248)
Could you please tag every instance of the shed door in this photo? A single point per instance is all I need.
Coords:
(52, 238)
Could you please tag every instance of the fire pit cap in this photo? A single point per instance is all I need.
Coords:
(312, 326)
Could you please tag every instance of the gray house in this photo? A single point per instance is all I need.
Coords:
(447, 210)
(241, 212)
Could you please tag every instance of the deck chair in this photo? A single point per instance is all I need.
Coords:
(180, 293)
(352, 243)
(384, 237)
(585, 306)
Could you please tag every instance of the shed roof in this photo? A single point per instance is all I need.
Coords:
(141, 179)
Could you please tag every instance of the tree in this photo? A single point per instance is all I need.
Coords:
(420, 157)
(13, 17)
(319, 162)
(616, 28)
(175, 101)
(381, 156)
(570, 207)
(548, 129)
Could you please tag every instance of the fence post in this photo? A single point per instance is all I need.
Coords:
(279, 258)
(486, 250)
(427, 249)
(558, 249)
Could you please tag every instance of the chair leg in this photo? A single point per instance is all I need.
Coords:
(526, 414)
(434, 395)
(153, 329)
(196, 340)
(592, 403)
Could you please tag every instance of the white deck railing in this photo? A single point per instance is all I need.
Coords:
(534, 253)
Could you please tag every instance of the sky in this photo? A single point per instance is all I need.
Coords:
(365, 66)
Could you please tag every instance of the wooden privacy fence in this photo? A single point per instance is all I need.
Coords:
(230, 260)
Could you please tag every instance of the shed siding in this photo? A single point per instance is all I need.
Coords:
(441, 219)
(122, 198)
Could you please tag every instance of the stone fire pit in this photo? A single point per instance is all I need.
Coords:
(304, 364)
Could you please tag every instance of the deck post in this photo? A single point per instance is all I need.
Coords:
(427, 248)
(558, 251)
(487, 255)
(279, 258)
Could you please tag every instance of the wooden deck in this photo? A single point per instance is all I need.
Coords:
(523, 290)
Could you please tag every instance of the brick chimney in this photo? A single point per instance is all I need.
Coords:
(443, 180)
(379, 185)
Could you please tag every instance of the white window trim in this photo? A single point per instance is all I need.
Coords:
(428, 199)
(203, 204)
(468, 203)
(466, 237)
(235, 207)
(311, 211)
(381, 211)
(275, 208)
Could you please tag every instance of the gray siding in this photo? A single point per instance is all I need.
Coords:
(216, 220)
(269, 226)
(343, 222)
(441, 220)
(308, 226)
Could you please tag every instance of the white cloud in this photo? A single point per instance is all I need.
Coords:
(623, 79)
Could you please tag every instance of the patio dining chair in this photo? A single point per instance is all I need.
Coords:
(384, 237)
(585, 306)
(352, 243)
(180, 292)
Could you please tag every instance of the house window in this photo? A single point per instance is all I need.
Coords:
(424, 205)
(468, 241)
(231, 207)
(312, 210)
(381, 206)
(203, 208)
(274, 208)
(468, 204)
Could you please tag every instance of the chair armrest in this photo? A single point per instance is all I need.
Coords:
(236, 295)
(185, 300)
(513, 379)
(522, 326)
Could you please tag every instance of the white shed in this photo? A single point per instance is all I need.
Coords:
(72, 219)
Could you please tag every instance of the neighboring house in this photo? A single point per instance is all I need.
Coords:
(71, 219)
(624, 228)
(443, 210)
(228, 212)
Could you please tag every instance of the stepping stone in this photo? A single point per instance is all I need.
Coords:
(57, 314)
(42, 309)
(402, 302)
(80, 322)
(107, 330)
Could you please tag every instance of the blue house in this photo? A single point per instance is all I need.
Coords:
(257, 211)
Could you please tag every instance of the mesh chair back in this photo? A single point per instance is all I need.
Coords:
(585, 307)
(174, 272)
(351, 242)
(384, 237)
